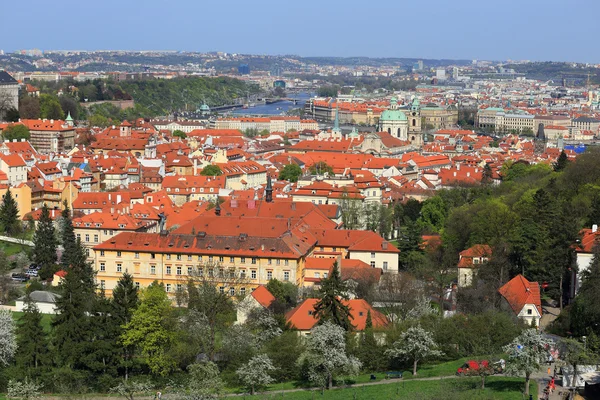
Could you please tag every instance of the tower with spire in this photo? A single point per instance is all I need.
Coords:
(269, 190)
(336, 132)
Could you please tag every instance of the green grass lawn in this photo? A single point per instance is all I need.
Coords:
(46, 319)
(459, 388)
(11, 248)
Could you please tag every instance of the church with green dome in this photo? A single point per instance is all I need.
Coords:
(396, 122)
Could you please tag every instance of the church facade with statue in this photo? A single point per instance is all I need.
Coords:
(403, 123)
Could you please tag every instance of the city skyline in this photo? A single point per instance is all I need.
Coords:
(468, 30)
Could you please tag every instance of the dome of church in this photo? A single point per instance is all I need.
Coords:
(393, 115)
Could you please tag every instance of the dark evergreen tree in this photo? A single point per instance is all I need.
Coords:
(101, 353)
(32, 351)
(75, 308)
(330, 306)
(44, 240)
(369, 352)
(486, 175)
(562, 162)
(70, 252)
(9, 214)
(125, 301)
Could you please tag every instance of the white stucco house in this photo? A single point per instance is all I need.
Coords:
(524, 299)
(44, 301)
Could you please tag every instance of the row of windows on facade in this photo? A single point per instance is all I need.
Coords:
(179, 288)
(193, 190)
(200, 272)
(179, 257)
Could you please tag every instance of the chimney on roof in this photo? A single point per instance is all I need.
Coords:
(218, 208)
(594, 228)
(384, 245)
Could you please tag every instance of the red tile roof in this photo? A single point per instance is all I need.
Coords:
(519, 291)
(263, 296)
(302, 317)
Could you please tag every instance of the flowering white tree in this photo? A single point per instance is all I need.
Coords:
(416, 344)
(422, 308)
(23, 390)
(266, 325)
(255, 373)
(129, 389)
(8, 341)
(205, 382)
(326, 355)
(526, 353)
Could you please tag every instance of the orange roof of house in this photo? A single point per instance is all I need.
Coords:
(519, 291)
(13, 160)
(263, 296)
(589, 240)
(478, 250)
(354, 240)
(302, 317)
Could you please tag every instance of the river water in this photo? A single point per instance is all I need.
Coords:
(279, 108)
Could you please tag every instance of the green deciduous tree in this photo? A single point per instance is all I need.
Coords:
(286, 293)
(15, 132)
(321, 168)
(290, 173)
(256, 372)
(44, 240)
(330, 307)
(416, 344)
(153, 329)
(179, 133)
(9, 214)
(213, 312)
(29, 107)
(526, 353)
(211, 170)
(50, 107)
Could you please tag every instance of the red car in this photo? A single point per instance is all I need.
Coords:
(472, 367)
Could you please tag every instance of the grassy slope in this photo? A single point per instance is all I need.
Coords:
(460, 388)
(46, 319)
(11, 248)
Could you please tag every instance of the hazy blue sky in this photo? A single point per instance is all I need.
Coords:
(467, 29)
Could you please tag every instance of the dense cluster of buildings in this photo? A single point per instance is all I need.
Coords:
(143, 202)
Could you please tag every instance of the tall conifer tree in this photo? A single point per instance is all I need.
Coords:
(32, 351)
(9, 214)
(44, 240)
(330, 306)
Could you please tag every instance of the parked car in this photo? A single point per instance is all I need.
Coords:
(35, 266)
(32, 273)
(473, 368)
(20, 277)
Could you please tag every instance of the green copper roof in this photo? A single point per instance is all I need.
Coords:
(393, 115)
(69, 118)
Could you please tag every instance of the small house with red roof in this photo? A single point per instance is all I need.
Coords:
(469, 260)
(259, 298)
(303, 318)
(584, 250)
(524, 299)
